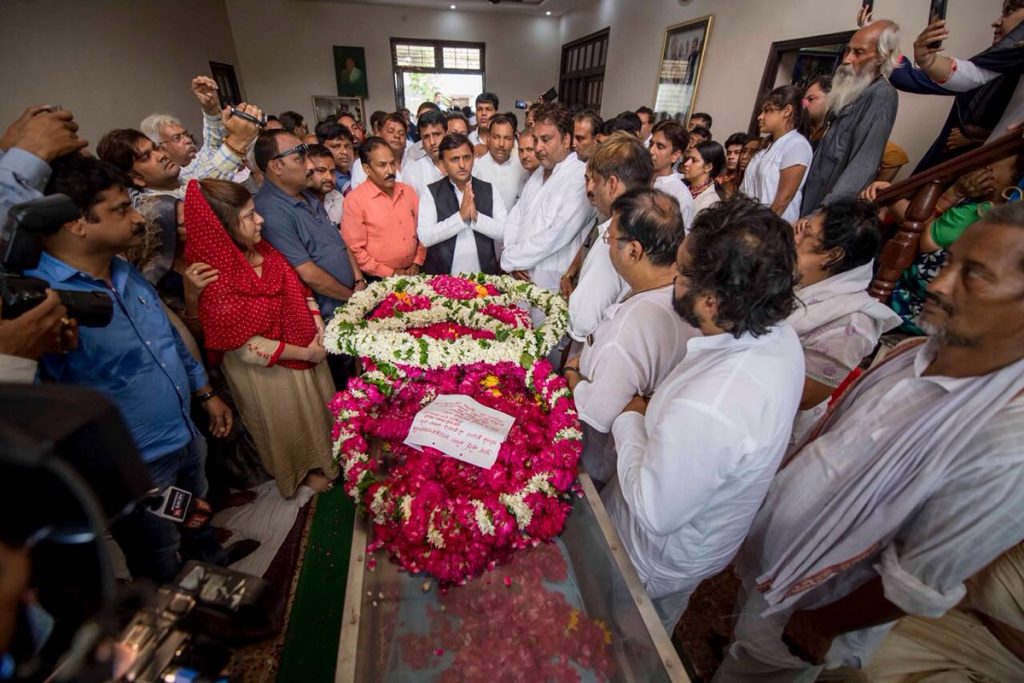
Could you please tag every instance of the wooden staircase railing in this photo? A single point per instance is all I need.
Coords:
(924, 190)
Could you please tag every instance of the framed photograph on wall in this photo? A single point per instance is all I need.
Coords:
(350, 71)
(682, 61)
(325, 105)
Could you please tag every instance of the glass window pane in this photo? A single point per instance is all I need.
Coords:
(461, 58)
(415, 55)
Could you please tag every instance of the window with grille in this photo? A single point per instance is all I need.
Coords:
(445, 70)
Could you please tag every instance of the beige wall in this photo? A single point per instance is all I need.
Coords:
(285, 48)
(742, 32)
(112, 62)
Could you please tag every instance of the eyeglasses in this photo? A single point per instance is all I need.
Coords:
(607, 238)
(299, 150)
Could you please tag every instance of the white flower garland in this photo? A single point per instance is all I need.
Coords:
(349, 332)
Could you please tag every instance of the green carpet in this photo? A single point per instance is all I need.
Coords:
(311, 644)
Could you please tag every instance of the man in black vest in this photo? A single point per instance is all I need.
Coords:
(460, 216)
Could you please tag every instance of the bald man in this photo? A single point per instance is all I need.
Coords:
(862, 107)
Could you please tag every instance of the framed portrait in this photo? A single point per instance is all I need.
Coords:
(682, 61)
(325, 105)
(350, 71)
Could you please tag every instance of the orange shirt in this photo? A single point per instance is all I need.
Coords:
(380, 230)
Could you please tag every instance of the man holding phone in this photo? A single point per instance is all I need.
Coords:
(963, 75)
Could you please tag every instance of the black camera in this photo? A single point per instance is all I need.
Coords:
(20, 248)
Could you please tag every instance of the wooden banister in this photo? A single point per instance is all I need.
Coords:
(924, 190)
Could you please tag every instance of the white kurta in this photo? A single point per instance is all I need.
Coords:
(922, 529)
(507, 178)
(693, 471)
(674, 185)
(431, 231)
(546, 227)
(705, 199)
(599, 287)
(761, 180)
(640, 341)
(421, 173)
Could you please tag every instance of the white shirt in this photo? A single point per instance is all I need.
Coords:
(599, 286)
(761, 181)
(508, 178)
(474, 137)
(358, 175)
(414, 151)
(673, 184)
(968, 76)
(17, 370)
(546, 227)
(636, 346)
(705, 199)
(973, 514)
(333, 204)
(421, 173)
(692, 473)
(431, 231)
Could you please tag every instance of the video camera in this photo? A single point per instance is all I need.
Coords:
(20, 249)
(68, 470)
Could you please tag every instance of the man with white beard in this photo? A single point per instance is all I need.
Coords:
(862, 111)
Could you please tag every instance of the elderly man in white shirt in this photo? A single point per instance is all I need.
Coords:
(500, 166)
(642, 339)
(433, 126)
(912, 484)
(547, 226)
(460, 217)
(838, 322)
(696, 462)
(618, 164)
(668, 145)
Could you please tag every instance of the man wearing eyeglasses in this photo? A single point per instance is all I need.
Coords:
(226, 139)
(296, 223)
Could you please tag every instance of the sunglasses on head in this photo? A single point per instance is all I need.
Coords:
(297, 149)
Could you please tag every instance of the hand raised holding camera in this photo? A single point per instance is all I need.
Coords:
(205, 90)
(241, 131)
(44, 131)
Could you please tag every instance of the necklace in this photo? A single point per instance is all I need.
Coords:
(633, 293)
(694, 191)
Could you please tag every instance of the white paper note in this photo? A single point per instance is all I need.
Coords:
(461, 428)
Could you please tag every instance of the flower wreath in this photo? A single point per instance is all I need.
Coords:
(438, 514)
(439, 321)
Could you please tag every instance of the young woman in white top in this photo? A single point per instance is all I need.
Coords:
(702, 164)
(775, 176)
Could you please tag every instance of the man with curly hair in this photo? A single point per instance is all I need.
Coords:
(694, 464)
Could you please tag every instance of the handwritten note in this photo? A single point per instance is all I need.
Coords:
(461, 428)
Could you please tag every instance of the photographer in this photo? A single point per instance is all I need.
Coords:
(43, 329)
(30, 143)
(138, 360)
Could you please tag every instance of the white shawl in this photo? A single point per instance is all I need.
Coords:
(879, 492)
(839, 296)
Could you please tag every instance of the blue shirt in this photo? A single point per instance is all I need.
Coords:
(342, 181)
(299, 228)
(138, 360)
(23, 176)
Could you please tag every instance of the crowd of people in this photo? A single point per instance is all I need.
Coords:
(719, 339)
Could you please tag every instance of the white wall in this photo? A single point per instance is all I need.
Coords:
(286, 48)
(112, 62)
(740, 38)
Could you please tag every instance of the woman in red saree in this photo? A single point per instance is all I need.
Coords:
(260, 321)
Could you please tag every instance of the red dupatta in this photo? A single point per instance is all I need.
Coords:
(242, 304)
